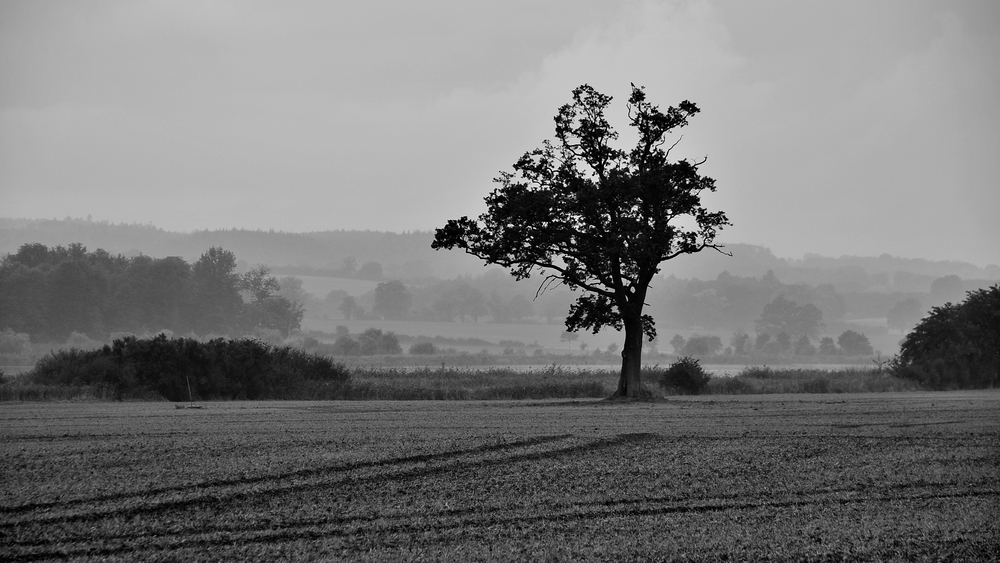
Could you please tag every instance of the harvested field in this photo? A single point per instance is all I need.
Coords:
(890, 476)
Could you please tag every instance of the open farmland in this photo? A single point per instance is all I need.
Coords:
(779, 477)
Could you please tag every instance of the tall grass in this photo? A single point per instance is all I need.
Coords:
(763, 380)
(483, 384)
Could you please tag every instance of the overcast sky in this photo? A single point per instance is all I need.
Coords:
(841, 127)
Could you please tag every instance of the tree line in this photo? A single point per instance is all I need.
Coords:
(50, 293)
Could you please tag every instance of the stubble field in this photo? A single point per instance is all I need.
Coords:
(910, 476)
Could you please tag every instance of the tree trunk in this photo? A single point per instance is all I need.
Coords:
(630, 382)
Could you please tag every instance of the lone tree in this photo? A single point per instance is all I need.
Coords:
(597, 218)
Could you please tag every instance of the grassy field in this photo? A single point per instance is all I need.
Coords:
(892, 476)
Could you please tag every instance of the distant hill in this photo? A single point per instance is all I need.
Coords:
(408, 255)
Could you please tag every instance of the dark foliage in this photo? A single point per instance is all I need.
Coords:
(50, 293)
(955, 346)
(685, 377)
(597, 218)
(216, 369)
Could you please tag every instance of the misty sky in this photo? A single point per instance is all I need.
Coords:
(841, 127)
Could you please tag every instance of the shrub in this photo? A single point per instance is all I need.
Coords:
(685, 377)
(423, 348)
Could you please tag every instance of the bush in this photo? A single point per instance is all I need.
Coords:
(423, 348)
(684, 377)
(216, 369)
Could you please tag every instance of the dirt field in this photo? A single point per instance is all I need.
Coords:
(909, 476)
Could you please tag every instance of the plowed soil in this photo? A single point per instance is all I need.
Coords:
(912, 476)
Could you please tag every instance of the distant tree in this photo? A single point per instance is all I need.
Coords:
(803, 347)
(677, 343)
(423, 348)
(259, 283)
(509, 311)
(14, 343)
(168, 295)
(762, 341)
(740, 341)
(597, 218)
(698, 345)
(855, 344)
(375, 342)
(784, 341)
(278, 313)
(392, 300)
(349, 307)
(827, 347)
(783, 315)
(946, 289)
(905, 314)
(370, 271)
(349, 267)
(217, 292)
(291, 289)
(568, 336)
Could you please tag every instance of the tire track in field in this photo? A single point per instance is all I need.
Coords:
(466, 522)
(452, 461)
(302, 473)
(375, 527)
(31, 545)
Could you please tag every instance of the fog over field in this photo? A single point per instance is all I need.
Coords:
(841, 128)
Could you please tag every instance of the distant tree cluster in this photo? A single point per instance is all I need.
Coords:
(955, 346)
(851, 343)
(372, 342)
(50, 293)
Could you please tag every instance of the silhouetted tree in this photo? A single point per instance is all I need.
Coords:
(597, 218)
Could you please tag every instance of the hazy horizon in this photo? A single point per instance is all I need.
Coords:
(836, 129)
(700, 256)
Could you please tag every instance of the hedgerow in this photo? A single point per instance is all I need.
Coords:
(184, 368)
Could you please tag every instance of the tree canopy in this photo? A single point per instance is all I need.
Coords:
(955, 346)
(596, 217)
